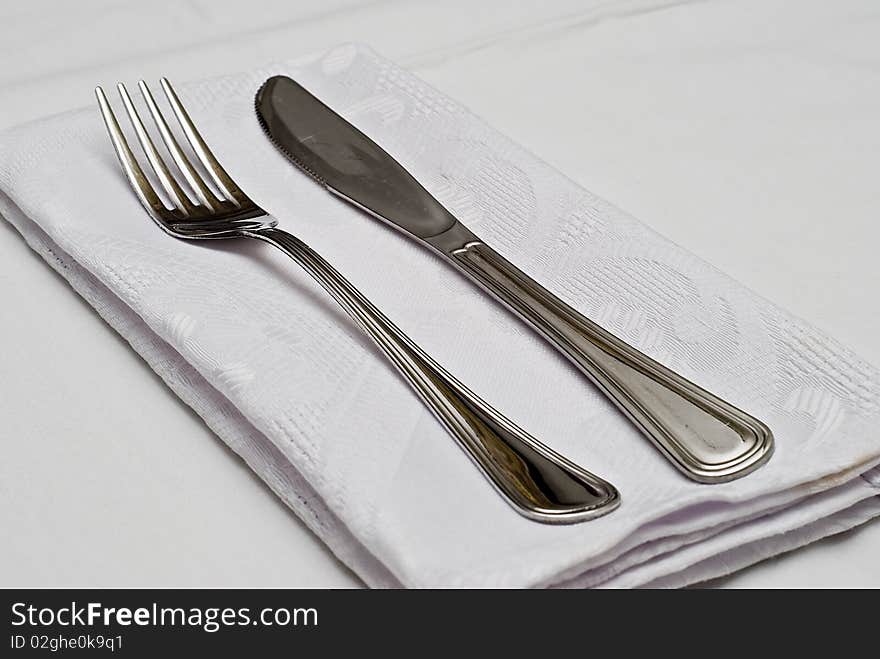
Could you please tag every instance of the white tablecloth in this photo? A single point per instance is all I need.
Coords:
(761, 115)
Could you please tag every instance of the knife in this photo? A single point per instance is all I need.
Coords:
(706, 438)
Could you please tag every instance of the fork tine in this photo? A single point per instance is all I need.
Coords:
(168, 182)
(202, 191)
(218, 174)
(141, 184)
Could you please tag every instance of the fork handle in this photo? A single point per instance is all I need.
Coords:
(708, 439)
(538, 482)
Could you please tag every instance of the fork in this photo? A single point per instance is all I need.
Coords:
(537, 481)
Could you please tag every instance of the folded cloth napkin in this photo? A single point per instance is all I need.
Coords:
(283, 377)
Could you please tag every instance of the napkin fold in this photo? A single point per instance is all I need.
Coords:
(288, 382)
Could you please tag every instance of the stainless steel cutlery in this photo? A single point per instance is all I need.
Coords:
(705, 437)
(538, 482)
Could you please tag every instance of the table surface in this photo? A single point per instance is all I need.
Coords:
(748, 131)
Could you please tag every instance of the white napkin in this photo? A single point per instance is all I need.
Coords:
(282, 376)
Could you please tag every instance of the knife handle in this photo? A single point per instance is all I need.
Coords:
(708, 439)
(538, 482)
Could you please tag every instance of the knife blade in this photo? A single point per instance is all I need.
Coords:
(704, 436)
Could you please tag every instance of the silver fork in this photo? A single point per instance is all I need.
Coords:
(538, 482)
